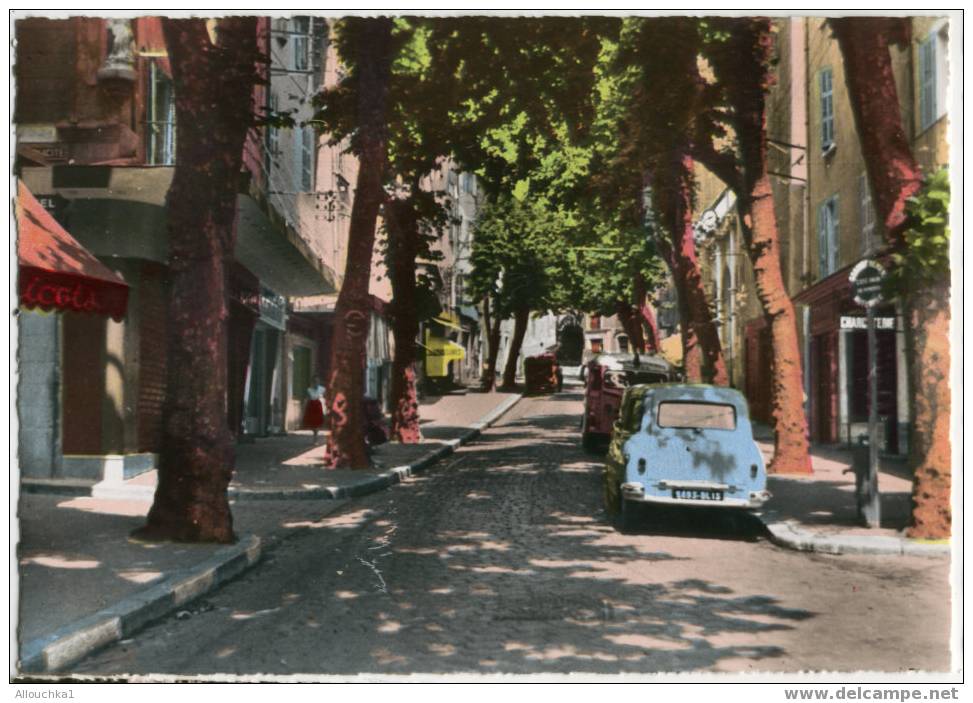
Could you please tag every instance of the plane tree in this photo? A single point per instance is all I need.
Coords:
(358, 106)
(915, 222)
(731, 141)
(214, 75)
(658, 109)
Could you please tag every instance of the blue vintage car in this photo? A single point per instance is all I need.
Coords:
(683, 444)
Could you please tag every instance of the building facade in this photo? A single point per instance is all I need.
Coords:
(827, 224)
(95, 129)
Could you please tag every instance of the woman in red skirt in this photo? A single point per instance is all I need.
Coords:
(314, 409)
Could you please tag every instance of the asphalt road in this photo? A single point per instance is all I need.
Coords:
(500, 559)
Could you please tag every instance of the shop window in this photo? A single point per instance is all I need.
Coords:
(932, 77)
(161, 132)
(828, 237)
(866, 215)
(826, 86)
(301, 372)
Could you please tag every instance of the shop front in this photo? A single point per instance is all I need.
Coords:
(836, 367)
(71, 331)
(264, 396)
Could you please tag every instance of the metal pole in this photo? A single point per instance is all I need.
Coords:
(872, 507)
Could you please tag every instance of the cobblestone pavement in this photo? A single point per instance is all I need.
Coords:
(501, 560)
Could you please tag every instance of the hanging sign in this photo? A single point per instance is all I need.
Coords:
(866, 282)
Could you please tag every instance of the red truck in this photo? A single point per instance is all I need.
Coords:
(606, 378)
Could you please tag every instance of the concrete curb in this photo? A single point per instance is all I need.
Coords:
(788, 534)
(75, 641)
(384, 480)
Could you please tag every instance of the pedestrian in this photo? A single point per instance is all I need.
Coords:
(314, 408)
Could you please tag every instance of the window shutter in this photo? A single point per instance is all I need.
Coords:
(297, 149)
(827, 108)
(927, 82)
(835, 238)
(319, 48)
(822, 240)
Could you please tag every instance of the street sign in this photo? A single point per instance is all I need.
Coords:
(866, 285)
(866, 282)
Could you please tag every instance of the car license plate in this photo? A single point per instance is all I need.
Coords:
(696, 494)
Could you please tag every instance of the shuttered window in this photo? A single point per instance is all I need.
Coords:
(301, 44)
(827, 108)
(933, 71)
(828, 237)
(927, 82)
(307, 159)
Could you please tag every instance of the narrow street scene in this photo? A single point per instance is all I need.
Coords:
(500, 559)
(353, 348)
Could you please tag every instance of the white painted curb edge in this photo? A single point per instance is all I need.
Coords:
(788, 535)
(76, 640)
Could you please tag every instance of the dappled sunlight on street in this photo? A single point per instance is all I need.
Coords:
(60, 561)
(107, 507)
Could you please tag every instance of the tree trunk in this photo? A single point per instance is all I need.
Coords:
(930, 445)
(646, 322)
(746, 76)
(893, 173)
(493, 346)
(346, 443)
(651, 328)
(894, 177)
(630, 314)
(521, 317)
(791, 445)
(629, 317)
(403, 242)
(213, 86)
(673, 190)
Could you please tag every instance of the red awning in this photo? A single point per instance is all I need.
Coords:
(56, 272)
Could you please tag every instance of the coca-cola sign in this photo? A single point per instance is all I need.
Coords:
(55, 291)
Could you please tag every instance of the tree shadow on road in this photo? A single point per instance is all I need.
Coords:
(513, 568)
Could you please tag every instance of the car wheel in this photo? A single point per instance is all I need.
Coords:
(587, 439)
(612, 498)
(589, 442)
(628, 515)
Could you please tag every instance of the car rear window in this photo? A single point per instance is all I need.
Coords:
(707, 416)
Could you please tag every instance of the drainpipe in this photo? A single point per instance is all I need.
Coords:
(731, 327)
(805, 264)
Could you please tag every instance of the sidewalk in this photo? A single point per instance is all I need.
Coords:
(817, 513)
(84, 584)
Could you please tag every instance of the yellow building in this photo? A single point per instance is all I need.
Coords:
(827, 224)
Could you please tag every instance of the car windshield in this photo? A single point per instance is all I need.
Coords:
(696, 415)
